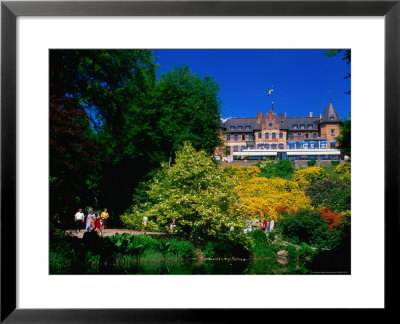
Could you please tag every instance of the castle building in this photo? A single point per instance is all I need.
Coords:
(273, 135)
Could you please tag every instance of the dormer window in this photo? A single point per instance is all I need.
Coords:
(309, 126)
(332, 118)
(295, 126)
(240, 127)
(302, 126)
(232, 127)
(270, 124)
(247, 127)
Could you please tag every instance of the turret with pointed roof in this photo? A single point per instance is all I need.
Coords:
(330, 115)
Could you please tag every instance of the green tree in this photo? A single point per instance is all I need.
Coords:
(193, 191)
(344, 138)
(189, 110)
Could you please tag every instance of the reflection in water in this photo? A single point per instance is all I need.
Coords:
(213, 267)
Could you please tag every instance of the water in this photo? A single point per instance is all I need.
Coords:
(207, 267)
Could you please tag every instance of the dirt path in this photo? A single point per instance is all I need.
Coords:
(113, 231)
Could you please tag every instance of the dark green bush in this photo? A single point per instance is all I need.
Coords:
(261, 248)
(292, 253)
(311, 163)
(306, 226)
(279, 169)
(335, 163)
(225, 246)
(183, 249)
(335, 194)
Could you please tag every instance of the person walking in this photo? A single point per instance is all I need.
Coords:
(104, 218)
(98, 224)
(267, 228)
(90, 221)
(79, 219)
(271, 225)
(144, 223)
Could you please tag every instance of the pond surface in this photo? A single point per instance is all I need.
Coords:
(211, 267)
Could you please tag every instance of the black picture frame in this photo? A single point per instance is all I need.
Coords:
(10, 10)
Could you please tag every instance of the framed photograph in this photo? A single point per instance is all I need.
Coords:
(163, 158)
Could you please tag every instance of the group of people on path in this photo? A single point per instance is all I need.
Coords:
(265, 225)
(93, 222)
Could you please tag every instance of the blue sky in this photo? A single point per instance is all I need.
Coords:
(304, 80)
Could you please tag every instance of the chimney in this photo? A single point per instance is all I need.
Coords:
(320, 116)
(285, 115)
(259, 119)
(310, 114)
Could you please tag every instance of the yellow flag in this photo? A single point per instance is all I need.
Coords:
(270, 91)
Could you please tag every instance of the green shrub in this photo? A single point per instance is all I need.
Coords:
(306, 226)
(311, 163)
(261, 248)
(183, 249)
(292, 253)
(226, 246)
(335, 194)
(279, 169)
(335, 163)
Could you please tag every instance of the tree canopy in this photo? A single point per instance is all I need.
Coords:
(194, 192)
(133, 121)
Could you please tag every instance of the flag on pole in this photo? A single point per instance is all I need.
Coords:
(270, 91)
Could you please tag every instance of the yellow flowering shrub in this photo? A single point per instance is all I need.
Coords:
(306, 177)
(264, 198)
(245, 174)
(344, 170)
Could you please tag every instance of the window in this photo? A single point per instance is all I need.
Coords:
(228, 137)
(281, 146)
(298, 135)
(273, 146)
(232, 127)
(307, 135)
(291, 135)
(332, 132)
(332, 118)
(309, 126)
(314, 135)
(240, 127)
(243, 147)
(243, 137)
(273, 135)
(270, 124)
(235, 137)
(280, 135)
(302, 126)
(267, 146)
(247, 127)
(266, 135)
(250, 137)
(259, 135)
(295, 126)
(235, 148)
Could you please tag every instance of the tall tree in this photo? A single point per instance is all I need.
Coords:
(344, 139)
(71, 151)
(189, 110)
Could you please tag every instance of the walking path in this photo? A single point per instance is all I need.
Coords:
(113, 231)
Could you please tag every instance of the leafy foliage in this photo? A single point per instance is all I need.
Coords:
(263, 198)
(194, 192)
(344, 138)
(335, 194)
(279, 169)
(308, 176)
(307, 226)
(344, 170)
(135, 121)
